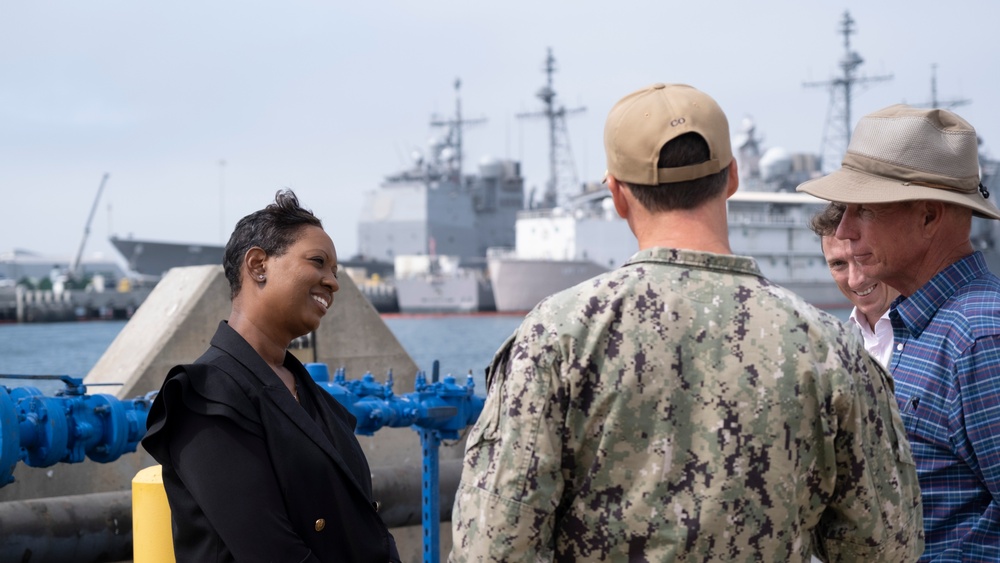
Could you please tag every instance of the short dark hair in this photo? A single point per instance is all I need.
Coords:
(273, 229)
(685, 150)
(825, 222)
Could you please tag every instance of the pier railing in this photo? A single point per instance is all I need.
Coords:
(46, 305)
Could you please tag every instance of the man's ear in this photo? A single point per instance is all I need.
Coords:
(932, 216)
(734, 179)
(617, 190)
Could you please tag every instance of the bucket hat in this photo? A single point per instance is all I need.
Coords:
(903, 153)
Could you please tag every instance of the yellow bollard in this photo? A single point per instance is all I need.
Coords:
(152, 538)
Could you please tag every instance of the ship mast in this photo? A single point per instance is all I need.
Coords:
(935, 102)
(837, 133)
(561, 168)
(455, 126)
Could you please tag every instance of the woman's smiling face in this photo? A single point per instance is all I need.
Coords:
(301, 282)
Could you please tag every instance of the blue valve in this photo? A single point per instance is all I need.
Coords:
(437, 410)
(444, 406)
(43, 430)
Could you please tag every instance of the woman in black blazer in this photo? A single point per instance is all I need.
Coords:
(259, 464)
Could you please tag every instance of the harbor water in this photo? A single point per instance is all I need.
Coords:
(460, 343)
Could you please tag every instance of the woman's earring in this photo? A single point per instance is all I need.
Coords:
(260, 277)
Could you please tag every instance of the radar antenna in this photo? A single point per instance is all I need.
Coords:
(455, 126)
(935, 102)
(837, 132)
(562, 171)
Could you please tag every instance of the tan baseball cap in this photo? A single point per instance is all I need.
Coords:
(642, 122)
(903, 153)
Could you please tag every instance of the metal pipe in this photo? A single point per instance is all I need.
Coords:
(399, 490)
(84, 528)
(43, 430)
(97, 527)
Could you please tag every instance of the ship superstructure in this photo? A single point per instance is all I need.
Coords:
(435, 223)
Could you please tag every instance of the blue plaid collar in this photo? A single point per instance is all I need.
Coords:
(917, 311)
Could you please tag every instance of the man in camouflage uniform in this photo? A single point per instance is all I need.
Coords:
(682, 407)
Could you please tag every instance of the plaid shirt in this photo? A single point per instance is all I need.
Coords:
(946, 366)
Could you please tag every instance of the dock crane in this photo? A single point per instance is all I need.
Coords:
(74, 268)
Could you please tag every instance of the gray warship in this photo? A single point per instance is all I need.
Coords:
(422, 233)
(434, 223)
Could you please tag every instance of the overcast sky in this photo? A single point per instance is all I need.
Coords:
(328, 97)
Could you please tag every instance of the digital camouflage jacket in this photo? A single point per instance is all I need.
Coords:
(684, 408)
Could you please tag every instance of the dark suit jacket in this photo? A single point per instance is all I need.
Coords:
(252, 475)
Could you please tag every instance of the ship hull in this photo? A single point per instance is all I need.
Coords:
(444, 294)
(154, 258)
(519, 284)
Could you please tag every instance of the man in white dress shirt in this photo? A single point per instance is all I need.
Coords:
(871, 298)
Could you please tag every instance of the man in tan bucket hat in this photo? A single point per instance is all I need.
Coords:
(682, 407)
(910, 182)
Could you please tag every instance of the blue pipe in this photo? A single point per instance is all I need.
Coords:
(44, 430)
(444, 405)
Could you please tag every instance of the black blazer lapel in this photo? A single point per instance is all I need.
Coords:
(246, 360)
